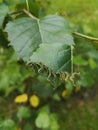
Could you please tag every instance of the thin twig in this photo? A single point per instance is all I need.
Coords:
(85, 36)
(27, 3)
(29, 14)
(19, 12)
(26, 12)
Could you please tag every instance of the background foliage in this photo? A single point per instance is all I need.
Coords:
(32, 103)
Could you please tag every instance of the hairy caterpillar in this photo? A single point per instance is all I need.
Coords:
(54, 77)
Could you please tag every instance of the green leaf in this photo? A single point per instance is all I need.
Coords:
(43, 120)
(45, 109)
(23, 112)
(47, 40)
(92, 63)
(56, 56)
(86, 80)
(93, 54)
(54, 125)
(47, 120)
(8, 125)
(3, 12)
(8, 78)
(78, 60)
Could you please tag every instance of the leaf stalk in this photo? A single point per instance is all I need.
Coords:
(85, 36)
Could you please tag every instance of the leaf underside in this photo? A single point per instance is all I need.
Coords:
(45, 43)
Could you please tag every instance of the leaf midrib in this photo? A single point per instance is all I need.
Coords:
(38, 22)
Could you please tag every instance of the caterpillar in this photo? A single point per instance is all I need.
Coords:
(54, 77)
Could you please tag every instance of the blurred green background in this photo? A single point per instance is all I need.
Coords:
(59, 108)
